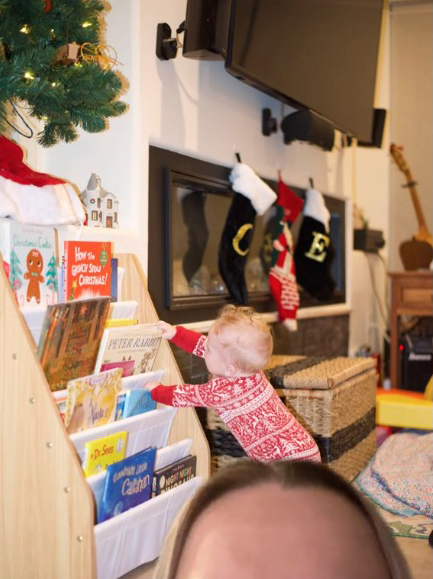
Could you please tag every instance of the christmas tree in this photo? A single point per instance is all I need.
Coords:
(52, 274)
(53, 63)
(15, 275)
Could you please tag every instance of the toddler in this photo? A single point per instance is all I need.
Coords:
(236, 350)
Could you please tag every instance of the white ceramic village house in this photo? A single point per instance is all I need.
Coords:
(102, 206)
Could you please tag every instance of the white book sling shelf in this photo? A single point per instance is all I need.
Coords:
(47, 510)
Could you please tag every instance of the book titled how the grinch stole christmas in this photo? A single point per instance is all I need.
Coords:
(30, 252)
(87, 269)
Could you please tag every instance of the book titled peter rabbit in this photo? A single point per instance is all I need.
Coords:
(135, 344)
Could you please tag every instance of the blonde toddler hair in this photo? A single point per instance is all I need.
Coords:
(248, 337)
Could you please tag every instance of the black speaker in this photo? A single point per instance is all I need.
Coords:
(416, 361)
(206, 29)
(305, 125)
(379, 119)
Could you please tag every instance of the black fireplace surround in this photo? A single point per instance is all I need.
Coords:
(188, 204)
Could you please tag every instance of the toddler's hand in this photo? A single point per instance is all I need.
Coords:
(151, 385)
(168, 331)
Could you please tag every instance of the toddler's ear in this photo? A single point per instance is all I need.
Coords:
(231, 371)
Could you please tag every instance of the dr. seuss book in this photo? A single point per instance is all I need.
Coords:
(70, 339)
(104, 451)
(174, 475)
(133, 402)
(87, 269)
(30, 252)
(91, 401)
(138, 343)
(127, 484)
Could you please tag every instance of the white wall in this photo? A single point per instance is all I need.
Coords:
(195, 107)
(412, 116)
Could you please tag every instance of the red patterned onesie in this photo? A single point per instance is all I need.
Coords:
(248, 405)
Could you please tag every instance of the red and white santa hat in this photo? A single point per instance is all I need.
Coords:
(31, 197)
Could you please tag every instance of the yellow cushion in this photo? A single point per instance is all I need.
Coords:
(404, 411)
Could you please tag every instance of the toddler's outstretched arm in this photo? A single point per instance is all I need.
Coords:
(186, 339)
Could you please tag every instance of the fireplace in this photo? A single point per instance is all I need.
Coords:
(188, 203)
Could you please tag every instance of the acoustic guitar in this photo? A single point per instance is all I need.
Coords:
(418, 252)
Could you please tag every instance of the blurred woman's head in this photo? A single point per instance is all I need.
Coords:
(282, 520)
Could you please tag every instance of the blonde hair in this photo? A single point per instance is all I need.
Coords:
(248, 337)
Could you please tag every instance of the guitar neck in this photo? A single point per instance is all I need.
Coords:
(415, 200)
(423, 233)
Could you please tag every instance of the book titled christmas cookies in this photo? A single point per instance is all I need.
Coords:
(87, 269)
(30, 252)
(138, 343)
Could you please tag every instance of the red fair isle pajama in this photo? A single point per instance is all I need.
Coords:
(249, 406)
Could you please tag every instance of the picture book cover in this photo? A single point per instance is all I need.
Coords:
(127, 484)
(87, 269)
(114, 279)
(174, 475)
(60, 398)
(138, 343)
(30, 253)
(127, 367)
(70, 339)
(120, 403)
(118, 322)
(91, 400)
(135, 401)
(102, 452)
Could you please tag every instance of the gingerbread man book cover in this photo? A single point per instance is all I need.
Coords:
(30, 252)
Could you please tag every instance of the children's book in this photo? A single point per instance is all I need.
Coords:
(127, 367)
(101, 452)
(60, 398)
(174, 475)
(120, 403)
(114, 279)
(30, 254)
(127, 484)
(91, 400)
(118, 322)
(87, 269)
(136, 401)
(138, 343)
(70, 339)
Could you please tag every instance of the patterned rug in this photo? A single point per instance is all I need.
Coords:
(415, 527)
(399, 482)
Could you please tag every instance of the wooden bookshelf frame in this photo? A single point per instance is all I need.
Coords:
(47, 510)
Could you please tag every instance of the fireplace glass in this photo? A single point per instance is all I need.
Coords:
(197, 212)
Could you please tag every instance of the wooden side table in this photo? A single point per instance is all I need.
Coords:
(411, 295)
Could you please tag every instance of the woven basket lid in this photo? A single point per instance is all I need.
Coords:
(314, 372)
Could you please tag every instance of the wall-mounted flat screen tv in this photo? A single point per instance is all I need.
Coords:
(315, 54)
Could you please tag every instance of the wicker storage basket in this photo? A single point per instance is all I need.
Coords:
(334, 399)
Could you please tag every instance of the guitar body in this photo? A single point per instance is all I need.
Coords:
(424, 235)
(416, 255)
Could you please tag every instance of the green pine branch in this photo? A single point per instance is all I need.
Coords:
(63, 97)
